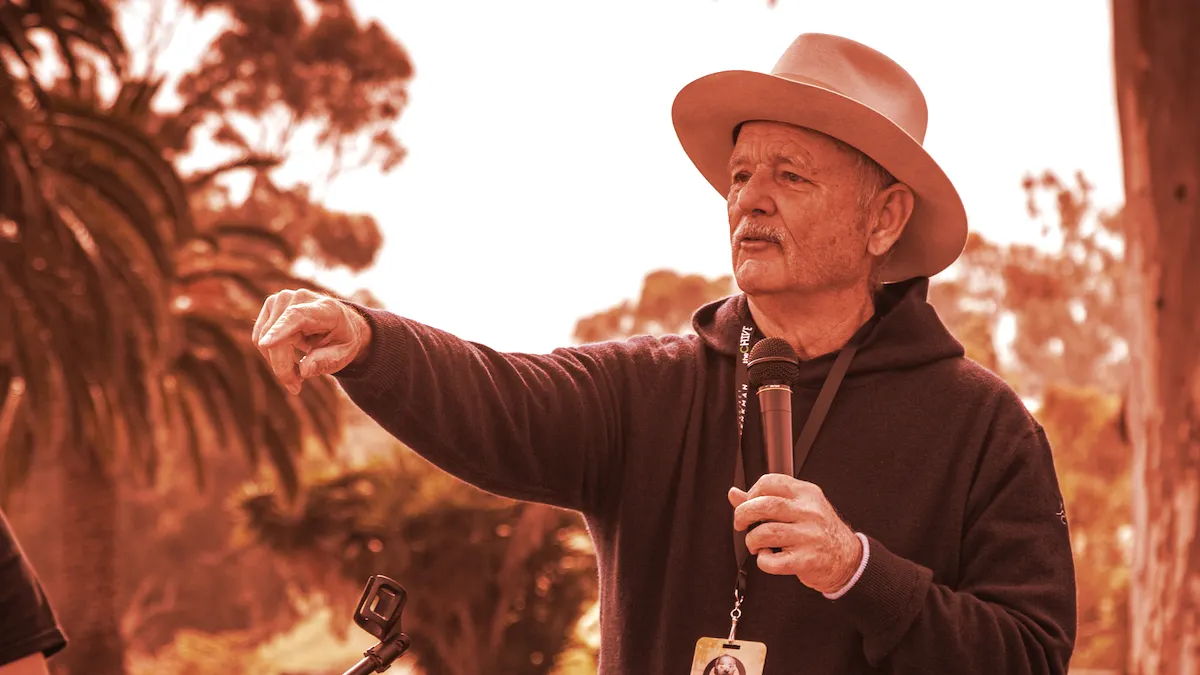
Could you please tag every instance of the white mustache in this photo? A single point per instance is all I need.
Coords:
(757, 231)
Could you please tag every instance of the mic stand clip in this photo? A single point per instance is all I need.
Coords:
(379, 613)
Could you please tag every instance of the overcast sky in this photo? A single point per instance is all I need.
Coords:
(544, 179)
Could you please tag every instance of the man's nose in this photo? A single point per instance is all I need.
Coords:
(756, 196)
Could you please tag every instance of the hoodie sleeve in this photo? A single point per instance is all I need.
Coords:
(1013, 611)
(542, 428)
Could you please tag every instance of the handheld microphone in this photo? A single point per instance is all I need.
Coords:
(773, 368)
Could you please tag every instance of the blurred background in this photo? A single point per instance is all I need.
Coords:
(167, 164)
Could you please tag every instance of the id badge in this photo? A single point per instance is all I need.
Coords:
(715, 656)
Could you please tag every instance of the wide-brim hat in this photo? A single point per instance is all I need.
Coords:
(855, 94)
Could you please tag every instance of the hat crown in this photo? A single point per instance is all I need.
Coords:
(855, 70)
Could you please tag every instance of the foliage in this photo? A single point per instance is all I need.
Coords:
(1092, 459)
(275, 64)
(494, 585)
(175, 299)
(89, 213)
(74, 26)
(184, 566)
(304, 228)
(91, 216)
(222, 277)
(276, 75)
(224, 274)
(130, 314)
(665, 305)
(195, 652)
(1064, 304)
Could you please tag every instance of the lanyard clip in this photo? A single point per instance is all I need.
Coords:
(735, 614)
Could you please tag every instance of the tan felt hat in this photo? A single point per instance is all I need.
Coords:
(855, 94)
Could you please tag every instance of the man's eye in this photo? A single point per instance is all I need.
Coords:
(791, 177)
(741, 177)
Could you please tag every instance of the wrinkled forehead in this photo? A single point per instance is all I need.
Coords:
(757, 140)
(775, 141)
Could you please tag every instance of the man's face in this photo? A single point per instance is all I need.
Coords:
(725, 665)
(795, 221)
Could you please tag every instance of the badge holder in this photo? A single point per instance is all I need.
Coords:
(730, 656)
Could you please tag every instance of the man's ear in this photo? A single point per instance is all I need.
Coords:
(892, 208)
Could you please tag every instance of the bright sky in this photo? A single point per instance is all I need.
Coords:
(544, 179)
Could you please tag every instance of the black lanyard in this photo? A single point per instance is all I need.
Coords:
(807, 435)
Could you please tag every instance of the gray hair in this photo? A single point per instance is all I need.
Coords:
(872, 179)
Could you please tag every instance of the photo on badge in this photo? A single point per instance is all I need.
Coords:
(715, 656)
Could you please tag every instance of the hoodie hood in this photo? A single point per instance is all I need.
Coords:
(907, 332)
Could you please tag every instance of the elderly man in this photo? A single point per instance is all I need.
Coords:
(921, 534)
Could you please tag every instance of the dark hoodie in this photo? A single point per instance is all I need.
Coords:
(929, 455)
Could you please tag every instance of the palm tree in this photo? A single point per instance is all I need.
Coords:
(222, 276)
(129, 320)
(89, 214)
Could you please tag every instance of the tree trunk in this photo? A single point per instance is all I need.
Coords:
(1157, 59)
(87, 603)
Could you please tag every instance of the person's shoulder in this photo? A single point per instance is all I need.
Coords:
(969, 377)
(992, 399)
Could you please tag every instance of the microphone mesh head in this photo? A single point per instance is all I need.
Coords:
(773, 361)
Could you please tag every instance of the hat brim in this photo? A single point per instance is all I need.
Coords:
(706, 112)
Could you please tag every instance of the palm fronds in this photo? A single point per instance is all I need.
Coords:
(74, 25)
(89, 214)
(223, 276)
(131, 321)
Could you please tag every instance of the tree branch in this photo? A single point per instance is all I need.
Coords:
(255, 162)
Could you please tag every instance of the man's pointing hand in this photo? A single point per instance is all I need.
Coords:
(327, 332)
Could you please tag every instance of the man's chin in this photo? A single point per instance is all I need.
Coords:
(753, 280)
(755, 285)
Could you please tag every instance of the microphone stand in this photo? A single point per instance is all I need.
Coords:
(380, 657)
(379, 613)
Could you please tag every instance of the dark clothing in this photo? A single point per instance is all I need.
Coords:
(931, 456)
(27, 622)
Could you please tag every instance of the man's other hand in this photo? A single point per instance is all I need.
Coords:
(815, 544)
(329, 334)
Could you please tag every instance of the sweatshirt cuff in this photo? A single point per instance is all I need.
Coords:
(885, 600)
(383, 364)
(866, 556)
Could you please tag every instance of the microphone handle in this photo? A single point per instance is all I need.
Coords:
(775, 402)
